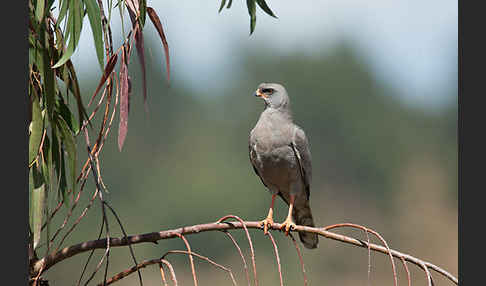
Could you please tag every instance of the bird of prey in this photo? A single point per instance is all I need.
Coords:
(280, 156)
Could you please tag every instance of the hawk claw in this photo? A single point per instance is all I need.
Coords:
(266, 223)
(288, 224)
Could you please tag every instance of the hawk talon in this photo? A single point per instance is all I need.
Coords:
(266, 223)
(288, 225)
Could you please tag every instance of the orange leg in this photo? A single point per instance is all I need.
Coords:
(269, 220)
(288, 224)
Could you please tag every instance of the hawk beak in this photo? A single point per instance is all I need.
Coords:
(260, 94)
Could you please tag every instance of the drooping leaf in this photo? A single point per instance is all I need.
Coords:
(229, 4)
(47, 162)
(252, 11)
(95, 20)
(265, 8)
(36, 128)
(39, 10)
(49, 84)
(74, 87)
(75, 24)
(37, 199)
(143, 11)
(156, 21)
(70, 146)
(121, 9)
(141, 55)
(63, 181)
(62, 12)
(124, 101)
(110, 65)
(68, 116)
(58, 160)
(222, 5)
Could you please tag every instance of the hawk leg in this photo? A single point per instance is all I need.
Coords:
(289, 224)
(269, 220)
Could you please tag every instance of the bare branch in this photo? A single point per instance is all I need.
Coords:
(241, 255)
(190, 253)
(249, 241)
(277, 257)
(53, 258)
(191, 260)
(300, 258)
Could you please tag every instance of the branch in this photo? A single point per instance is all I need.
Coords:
(47, 262)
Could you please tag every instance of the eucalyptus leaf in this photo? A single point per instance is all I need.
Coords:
(39, 10)
(36, 128)
(75, 23)
(63, 11)
(252, 11)
(68, 116)
(265, 8)
(222, 5)
(37, 200)
(49, 84)
(143, 11)
(95, 21)
(70, 146)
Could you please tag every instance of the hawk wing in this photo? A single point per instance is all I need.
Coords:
(252, 154)
(300, 145)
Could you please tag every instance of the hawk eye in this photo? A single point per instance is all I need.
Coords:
(267, 90)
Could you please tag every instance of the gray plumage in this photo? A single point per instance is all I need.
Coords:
(280, 155)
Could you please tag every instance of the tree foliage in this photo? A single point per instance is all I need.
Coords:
(55, 120)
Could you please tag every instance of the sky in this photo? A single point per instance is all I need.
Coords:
(411, 45)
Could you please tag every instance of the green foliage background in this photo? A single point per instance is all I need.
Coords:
(377, 162)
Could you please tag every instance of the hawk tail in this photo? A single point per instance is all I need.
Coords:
(303, 216)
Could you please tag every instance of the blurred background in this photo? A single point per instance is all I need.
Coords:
(374, 86)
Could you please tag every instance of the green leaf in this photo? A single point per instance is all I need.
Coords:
(47, 162)
(68, 117)
(222, 5)
(143, 11)
(252, 11)
(63, 12)
(95, 20)
(121, 9)
(36, 128)
(75, 24)
(39, 10)
(49, 84)
(70, 146)
(37, 199)
(265, 7)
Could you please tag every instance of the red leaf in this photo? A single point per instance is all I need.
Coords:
(156, 21)
(141, 56)
(110, 65)
(124, 101)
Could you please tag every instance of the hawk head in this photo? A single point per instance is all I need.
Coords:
(273, 94)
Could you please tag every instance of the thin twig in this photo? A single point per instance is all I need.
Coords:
(221, 220)
(162, 274)
(191, 260)
(277, 257)
(171, 269)
(90, 255)
(406, 269)
(241, 255)
(395, 279)
(125, 235)
(133, 269)
(300, 257)
(190, 253)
